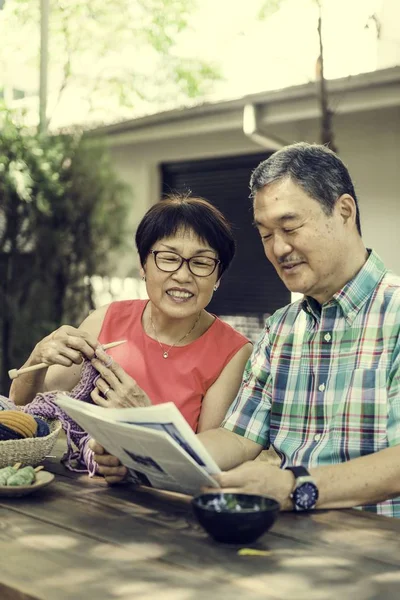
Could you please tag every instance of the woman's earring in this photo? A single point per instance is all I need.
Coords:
(215, 288)
(143, 277)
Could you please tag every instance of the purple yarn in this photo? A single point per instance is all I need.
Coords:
(43, 405)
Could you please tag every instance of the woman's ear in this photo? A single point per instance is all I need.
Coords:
(142, 273)
(216, 286)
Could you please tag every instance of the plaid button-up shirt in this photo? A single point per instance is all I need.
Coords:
(323, 383)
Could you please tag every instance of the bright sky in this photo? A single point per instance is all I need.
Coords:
(253, 55)
(282, 50)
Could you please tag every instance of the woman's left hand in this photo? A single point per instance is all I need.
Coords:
(107, 465)
(115, 388)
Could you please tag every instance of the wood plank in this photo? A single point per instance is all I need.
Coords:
(125, 542)
(9, 593)
(286, 565)
(353, 531)
(356, 532)
(49, 562)
(57, 563)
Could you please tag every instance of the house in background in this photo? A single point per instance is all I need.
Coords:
(211, 150)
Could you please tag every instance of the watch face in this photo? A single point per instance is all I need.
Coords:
(305, 496)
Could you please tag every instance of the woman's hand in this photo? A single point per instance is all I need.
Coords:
(115, 388)
(65, 346)
(108, 465)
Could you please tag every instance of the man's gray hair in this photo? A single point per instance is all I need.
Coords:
(315, 168)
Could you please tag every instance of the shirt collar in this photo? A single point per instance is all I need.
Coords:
(355, 293)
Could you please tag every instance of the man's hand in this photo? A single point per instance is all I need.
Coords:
(108, 465)
(256, 477)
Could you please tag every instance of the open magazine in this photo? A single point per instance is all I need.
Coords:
(155, 443)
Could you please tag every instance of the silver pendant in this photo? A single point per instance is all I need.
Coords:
(165, 354)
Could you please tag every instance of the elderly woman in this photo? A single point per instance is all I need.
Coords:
(175, 349)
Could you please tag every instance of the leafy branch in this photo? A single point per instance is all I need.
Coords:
(125, 49)
(62, 212)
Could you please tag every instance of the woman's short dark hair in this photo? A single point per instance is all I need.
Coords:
(315, 168)
(178, 211)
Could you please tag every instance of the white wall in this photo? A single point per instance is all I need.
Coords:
(370, 146)
(138, 165)
(368, 142)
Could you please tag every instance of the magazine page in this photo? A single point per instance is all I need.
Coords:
(161, 417)
(167, 417)
(153, 456)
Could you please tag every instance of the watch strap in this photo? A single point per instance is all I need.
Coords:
(299, 471)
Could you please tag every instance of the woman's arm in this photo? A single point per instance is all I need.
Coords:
(222, 393)
(215, 404)
(62, 350)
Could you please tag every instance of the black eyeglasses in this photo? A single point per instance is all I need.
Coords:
(200, 266)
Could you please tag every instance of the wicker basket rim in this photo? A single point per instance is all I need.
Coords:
(55, 424)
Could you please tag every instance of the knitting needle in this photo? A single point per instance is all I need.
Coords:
(14, 373)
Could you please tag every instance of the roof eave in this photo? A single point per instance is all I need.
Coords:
(365, 82)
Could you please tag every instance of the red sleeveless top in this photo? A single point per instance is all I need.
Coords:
(188, 372)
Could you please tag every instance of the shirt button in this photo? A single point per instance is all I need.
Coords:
(317, 437)
(322, 387)
(327, 337)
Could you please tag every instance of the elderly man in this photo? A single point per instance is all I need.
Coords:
(322, 386)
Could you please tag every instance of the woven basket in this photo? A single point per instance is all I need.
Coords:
(29, 451)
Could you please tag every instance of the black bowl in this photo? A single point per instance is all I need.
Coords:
(235, 518)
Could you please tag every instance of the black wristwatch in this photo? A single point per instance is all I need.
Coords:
(305, 492)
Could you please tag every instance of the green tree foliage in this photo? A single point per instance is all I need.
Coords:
(268, 8)
(61, 212)
(110, 55)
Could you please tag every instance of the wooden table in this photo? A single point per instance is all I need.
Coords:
(80, 539)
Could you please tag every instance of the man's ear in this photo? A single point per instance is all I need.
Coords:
(346, 207)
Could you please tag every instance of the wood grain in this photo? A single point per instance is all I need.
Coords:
(79, 538)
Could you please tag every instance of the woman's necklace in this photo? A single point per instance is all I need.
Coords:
(168, 350)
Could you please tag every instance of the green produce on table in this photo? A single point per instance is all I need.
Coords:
(6, 473)
(24, 476)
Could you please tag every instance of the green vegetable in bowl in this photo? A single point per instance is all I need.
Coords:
(6, 473)
(24, 476)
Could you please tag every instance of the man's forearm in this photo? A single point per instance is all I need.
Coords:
(360, 481)
(227, 448)
(365, 480)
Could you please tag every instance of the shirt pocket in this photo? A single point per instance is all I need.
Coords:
(359, 422)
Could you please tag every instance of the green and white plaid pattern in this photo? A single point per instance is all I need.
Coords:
(323, 383)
